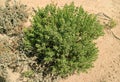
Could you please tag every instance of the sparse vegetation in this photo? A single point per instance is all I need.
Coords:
(62, 39)
(12, 17)
(106, 21)
(111, 24)
(28, 73)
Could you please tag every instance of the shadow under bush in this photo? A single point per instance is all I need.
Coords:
(2, 79)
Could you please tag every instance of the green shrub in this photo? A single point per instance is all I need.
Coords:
(12, 16)
(62, 39)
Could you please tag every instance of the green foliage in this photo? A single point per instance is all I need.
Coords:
(28, 73)
(62, 39)
(12, 16)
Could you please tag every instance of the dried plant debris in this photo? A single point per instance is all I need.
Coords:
(12, 16)
(6, 53)
(105, 20)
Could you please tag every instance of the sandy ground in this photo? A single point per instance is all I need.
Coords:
(107, 66)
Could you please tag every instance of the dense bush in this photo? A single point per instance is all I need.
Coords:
(62, 39)
(12, 16)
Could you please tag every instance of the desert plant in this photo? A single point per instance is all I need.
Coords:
(28, 73)
(12, 16)
(62, 39)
